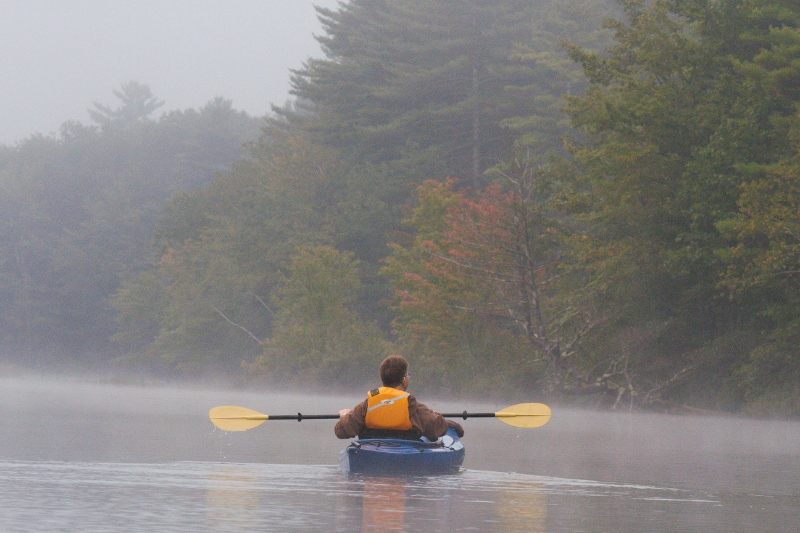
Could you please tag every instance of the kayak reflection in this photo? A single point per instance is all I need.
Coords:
(383, 505)
(250, 497)
(430, 503)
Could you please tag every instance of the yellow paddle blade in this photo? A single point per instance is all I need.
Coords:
(525, 415)
(234, 418)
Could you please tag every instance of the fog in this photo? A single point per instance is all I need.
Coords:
(57, 57)
(109, 457)
(68, 419)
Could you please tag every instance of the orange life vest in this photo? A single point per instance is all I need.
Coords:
(387, 408)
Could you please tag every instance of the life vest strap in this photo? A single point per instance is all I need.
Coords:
(388, 401)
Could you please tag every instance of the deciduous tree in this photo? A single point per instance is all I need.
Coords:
(498, 264)
(318, 338)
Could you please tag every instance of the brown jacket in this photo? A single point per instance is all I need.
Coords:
(424, 422)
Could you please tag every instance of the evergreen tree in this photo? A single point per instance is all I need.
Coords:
(438, 78)
(137, 103)
(318, 338)
(676, 122)
(413, 90)
(81, 209)
(220, 252)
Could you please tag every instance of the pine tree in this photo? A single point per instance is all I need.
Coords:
(430, 77)
(137, 103)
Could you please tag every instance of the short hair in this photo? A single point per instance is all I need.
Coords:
(393, 369)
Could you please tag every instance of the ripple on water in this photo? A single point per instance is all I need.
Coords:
(203, 496)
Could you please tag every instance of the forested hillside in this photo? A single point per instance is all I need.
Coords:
(590, 201)
(408, 91)
(77, 214)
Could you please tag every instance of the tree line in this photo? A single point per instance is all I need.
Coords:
(595, 201)
(77, 212)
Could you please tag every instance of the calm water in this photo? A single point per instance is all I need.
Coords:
(94, 457)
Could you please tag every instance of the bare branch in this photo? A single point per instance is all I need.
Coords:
(254, 295)
(231, 322)
(655, 391)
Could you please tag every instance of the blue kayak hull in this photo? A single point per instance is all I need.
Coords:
(395, 456)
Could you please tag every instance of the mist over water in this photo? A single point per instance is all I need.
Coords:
(106, 457)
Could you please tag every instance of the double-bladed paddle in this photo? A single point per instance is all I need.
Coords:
(234, 418)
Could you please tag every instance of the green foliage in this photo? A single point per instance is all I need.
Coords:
(222, 249)
(137, 103)
(492, 274)
(763, 265)
(412, 90)
(81, 212)
(455, 80)
(427, 321)
(317, 338)
(770, 375)
(688, 104)
(321, 282)
(549, 72)
(656, 262)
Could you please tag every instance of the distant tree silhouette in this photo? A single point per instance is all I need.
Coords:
(138, 103)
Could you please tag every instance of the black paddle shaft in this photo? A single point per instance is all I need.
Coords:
(466, 415)
(300, 416)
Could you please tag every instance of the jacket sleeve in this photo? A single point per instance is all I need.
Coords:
(351, 424)
(455, 426)
(431, 424)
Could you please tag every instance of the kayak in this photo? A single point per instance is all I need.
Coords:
(443, 456)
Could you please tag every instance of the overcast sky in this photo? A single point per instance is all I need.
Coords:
(59, 56)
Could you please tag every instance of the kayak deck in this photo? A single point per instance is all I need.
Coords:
(404, 456)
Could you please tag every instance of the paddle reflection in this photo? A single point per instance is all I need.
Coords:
(231, 494)
(524, 509)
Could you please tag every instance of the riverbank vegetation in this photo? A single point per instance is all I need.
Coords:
(595, 202)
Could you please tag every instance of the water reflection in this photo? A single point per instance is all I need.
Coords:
(383, 504)
(200, 496)
(522, 510)
(444, 503)
(309, 498)
(113, 458)
(232, 492)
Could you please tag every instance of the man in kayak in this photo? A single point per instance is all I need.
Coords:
(391, 412)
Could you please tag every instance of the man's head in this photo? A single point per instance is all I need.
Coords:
(393, 370)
